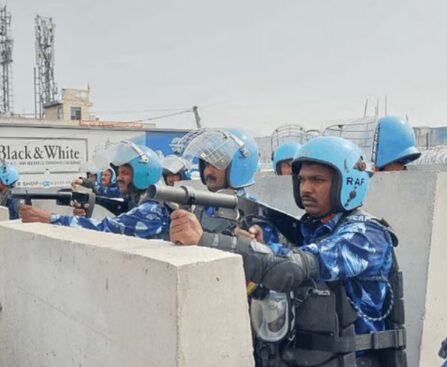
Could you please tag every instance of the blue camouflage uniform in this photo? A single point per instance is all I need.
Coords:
(150, 219)
(108, 191)
(355, 252)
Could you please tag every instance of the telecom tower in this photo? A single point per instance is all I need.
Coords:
(45, 89)
(5, 62)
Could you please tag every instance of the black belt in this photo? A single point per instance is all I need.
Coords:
(395, 338)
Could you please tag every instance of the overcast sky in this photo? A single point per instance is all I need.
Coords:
(252, 63)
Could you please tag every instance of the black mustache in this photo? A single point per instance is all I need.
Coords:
(210, 178)
(307, 197)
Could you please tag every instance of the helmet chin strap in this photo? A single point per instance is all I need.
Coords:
(314, 219)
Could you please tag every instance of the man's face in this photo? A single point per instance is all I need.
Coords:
(315, 188)
(215, 179)
(106, 177)
(124, 178)
(171, 178)
(285, 167)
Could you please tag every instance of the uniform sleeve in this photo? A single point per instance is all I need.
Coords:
(262, 265)
(148, 220)
(270, 233)
(110, 192)
(355, 249)
(14, 208)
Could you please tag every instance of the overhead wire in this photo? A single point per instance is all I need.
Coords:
(82, 133)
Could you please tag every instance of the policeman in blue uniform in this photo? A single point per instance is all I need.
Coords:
(394, 145)
(175, 169)
(8, 178)
(102, 183)
(282, 158)
(228, 161)
(106, 184)
(138, 168)
(336, 298)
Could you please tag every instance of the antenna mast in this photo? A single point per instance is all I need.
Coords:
(45, 89)
(5, 62)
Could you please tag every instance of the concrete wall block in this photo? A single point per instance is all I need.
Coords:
(435, 318)
(4, 213)
(409, 206)
(220, 288)
(81, 298)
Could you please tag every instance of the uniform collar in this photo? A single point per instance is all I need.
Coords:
(311, 227)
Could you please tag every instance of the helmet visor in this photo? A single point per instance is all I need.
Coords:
(360, 131)
(119, 154)
(88, 167)
(173, 164)
(216, 147)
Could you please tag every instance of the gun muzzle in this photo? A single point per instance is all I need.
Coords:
(185, 195)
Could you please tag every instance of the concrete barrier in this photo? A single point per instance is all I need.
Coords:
(415, 204)
(74, 297)
(4, 213)
(98, 212)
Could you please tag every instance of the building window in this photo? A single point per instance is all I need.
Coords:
(75, 113)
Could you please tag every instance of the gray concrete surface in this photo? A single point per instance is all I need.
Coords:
(407, 201)
(435, 320)
(74, 297)
(50, 205)
(4, 213)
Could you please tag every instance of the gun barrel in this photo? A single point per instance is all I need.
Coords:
(36, 194)
(186, 195)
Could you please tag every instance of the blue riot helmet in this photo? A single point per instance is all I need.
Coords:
(284, 152)
(146, 165)
(173, 165)
(394, 142)
(8, 174)
(244, 164)
(230, 149)
(112, 177)
(90, 169)
(350, 182)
